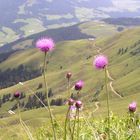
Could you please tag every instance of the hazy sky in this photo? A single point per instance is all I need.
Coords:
(131, 5)
(117, 5)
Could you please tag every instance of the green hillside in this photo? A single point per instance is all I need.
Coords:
(122, 66)
(77, 31)
(100, 28)
(123, 51)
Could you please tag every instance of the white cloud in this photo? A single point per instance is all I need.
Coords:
(109, 9)
(82, 0)
(49, 0)
(130, 5)
(122, 5)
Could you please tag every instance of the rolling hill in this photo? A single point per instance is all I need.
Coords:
(28, 68)
(91, 29)
(123, 51)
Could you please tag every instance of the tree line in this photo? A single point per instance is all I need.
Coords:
(22, 73)
(31, 101)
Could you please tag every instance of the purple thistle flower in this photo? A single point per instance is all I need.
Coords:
(78, 104)
(70, 102)
(72, 112)
(79, 85)
(132, 107)
(17, 94)
(72, 108)
(100, 62)
(45, 44)
(69, 74)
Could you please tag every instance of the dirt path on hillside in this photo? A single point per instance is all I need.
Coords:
(99, 50)
(113, 90)
(97, 106)
(111, 85)
(109, 76)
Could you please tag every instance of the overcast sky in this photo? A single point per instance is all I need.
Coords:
(131, 5)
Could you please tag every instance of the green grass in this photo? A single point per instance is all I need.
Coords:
(33, 26)
(7, 35)
(76, 62)
(98, 29)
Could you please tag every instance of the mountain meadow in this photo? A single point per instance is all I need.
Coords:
(41, 99)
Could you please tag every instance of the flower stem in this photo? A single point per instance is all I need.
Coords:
(133, 123)
(108, 109)
(34, 93)
(78, 95)
(135, 127)
(23, 124)
(69, 93)
(66, 120)
(18, 111)
(74, 126)
(78, 127)
(70, 128)
(48, 102)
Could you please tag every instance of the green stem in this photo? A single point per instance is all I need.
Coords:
(78, 127)
(48, 102)
(108, 109)
(133, 123)
(18, 111)
(78, 95)
(70, 128)
(74, 126)
(69, 93)
(66, 120)
(22, 124)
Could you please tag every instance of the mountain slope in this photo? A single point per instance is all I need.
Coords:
(124, 67)
(124, 56)
(60, 34)
(122, 50)
(84, 30)
(23, 18)
(19, 50)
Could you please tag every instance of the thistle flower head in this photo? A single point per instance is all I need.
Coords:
(45, 44)
(132, 107)
(17, 94)
(73, 108)
(72, 112)
(70, 102)
(68, 76)
(78, 104)
(79, 85)
(100, 62)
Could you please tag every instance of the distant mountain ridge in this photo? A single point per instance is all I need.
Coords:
(20, 18)
(123, 21)
(60, 34)
(68, 10)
